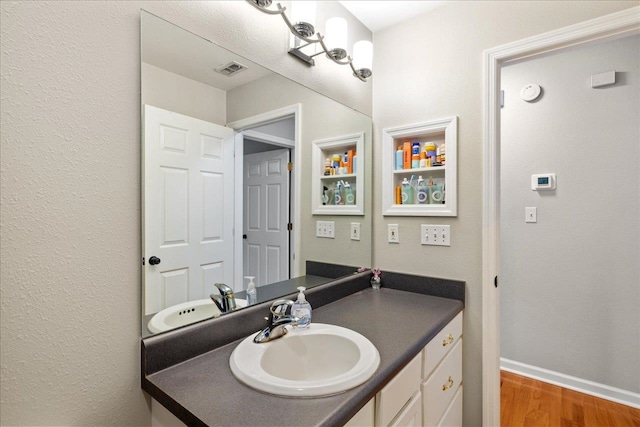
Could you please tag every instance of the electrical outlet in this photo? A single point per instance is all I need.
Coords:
(325, 229)
(355, 231)
(437, 235)
(392, 233)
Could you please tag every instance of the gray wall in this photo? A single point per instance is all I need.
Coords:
(570, 283)
(431, 67)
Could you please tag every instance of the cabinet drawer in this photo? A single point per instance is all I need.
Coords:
(411, 415)
(440, 345)
(364, 417)
(453, 415)
(391, 399)
(439, 389)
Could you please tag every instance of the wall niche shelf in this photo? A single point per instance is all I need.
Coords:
(325, 197)
(437, 194)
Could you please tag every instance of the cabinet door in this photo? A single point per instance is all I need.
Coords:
(440, 388)
(364, 417)
(395, 395)
(453, 416)
(411, 415)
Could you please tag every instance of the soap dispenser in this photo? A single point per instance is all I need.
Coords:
(251, 291)
(302, 309)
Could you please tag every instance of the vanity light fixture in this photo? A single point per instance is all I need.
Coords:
(333, 43)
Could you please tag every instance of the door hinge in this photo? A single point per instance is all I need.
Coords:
(289, 226)
(495, 281)
(289, 166)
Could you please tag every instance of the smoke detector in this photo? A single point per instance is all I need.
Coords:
(231, 68)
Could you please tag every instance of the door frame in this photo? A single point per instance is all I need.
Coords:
(241, 126)
(615, 25)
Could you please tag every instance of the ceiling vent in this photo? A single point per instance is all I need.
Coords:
(231, 68)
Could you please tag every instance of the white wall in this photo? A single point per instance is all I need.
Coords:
(170, 91)
(431, 67)
(70, 195)
(570, 282)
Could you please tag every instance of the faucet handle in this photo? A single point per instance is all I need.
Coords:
(279, 307)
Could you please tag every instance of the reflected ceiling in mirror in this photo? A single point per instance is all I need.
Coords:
(219, 201)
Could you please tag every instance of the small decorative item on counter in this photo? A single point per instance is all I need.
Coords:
(362, 269)
(375, 280)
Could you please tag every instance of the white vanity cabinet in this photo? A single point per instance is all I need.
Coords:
(427, 392)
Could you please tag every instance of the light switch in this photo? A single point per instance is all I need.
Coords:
(531, 215)
(392, 233)
(355, 231)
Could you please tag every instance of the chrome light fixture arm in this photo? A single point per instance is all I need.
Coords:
(336, 55)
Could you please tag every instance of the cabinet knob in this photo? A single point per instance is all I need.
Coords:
(448, 385)
(448, 341)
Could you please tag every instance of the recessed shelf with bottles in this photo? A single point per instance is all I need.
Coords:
(419, 169)
(338, 180)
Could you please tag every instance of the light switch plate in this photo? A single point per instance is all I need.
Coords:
(355, 231)
(325, 229)
(392, 233)
(436, 235)
(531, 214)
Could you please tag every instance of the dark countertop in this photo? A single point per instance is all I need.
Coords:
(203, 391)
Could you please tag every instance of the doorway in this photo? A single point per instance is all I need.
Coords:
(608, 27)
(267, 205)
(266, 140)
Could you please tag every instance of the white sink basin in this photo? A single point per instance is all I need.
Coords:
(319, 361)
(185, 314)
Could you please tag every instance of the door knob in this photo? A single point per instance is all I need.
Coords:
(244, 236)
(154, 260)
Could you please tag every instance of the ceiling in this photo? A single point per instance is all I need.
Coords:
(377, 15)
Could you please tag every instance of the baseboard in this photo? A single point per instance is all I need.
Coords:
(602, 391)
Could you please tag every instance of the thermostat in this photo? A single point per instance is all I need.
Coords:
(544, 181)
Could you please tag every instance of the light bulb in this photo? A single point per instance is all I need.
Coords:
(303, 16)
(336, 33)
(363, 55)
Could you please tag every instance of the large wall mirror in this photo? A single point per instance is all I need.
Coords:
(219, 202)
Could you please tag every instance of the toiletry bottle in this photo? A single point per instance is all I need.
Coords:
(251, 291)
(354, 163)
(337, 195)
(399, 158)
(423, 159)
(349, 194)
(415, 155)
(431, 148)
(327, 167)
(350, 157)
(407, 192)
(302, 309)
(422, 196)
(406, 151)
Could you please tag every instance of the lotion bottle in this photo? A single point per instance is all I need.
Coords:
(302, 309)
(251, 291)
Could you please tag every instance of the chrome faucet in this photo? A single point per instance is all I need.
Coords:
(277, 320)
(226, 301)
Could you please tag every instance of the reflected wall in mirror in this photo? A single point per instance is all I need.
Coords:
(219, 202)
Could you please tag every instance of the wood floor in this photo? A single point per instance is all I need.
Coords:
(528, 402)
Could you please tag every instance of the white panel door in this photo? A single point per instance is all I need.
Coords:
(188, 207)
(266, 215)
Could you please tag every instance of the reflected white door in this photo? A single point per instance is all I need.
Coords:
(266, 215)
(188, 207)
